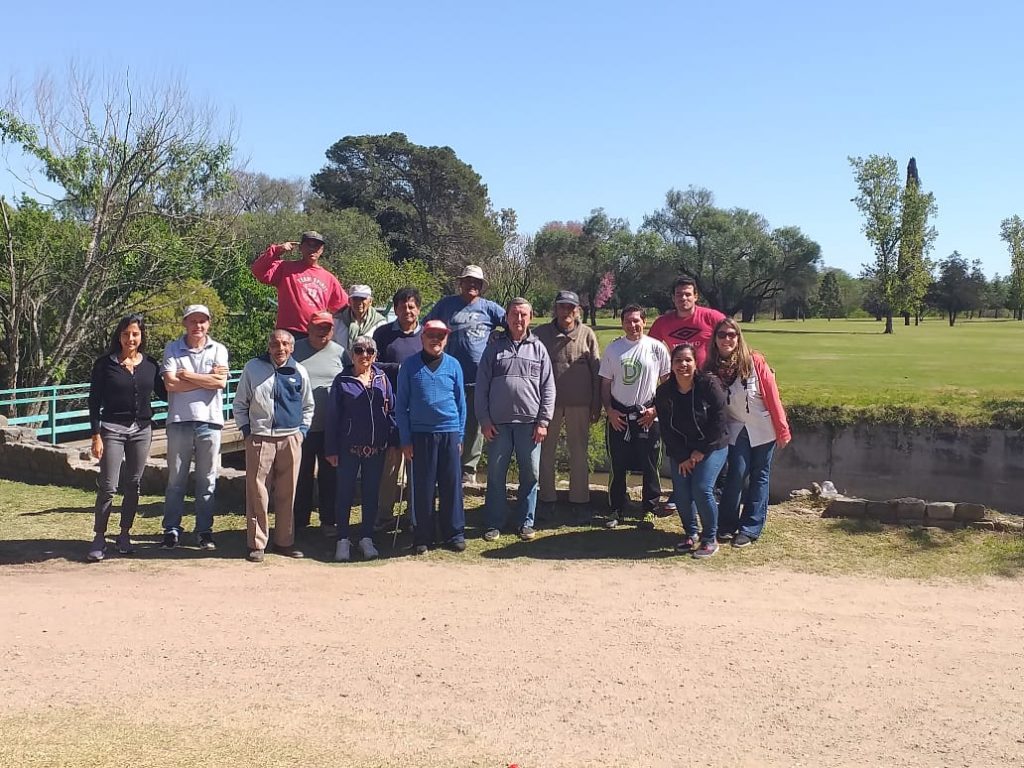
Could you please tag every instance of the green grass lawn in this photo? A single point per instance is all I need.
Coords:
(44, 523)
(847, 370)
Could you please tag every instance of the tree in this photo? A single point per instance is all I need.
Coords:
(913, 267)
(135, 177)
(429, 204)
(1012, 233)
(957, 288)
(830, 298)
(251, 192)
(896, 225)
(737, 260)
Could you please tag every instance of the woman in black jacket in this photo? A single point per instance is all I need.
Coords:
(691, 412)
(123, 383)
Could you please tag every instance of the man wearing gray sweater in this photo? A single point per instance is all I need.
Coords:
(515, 400)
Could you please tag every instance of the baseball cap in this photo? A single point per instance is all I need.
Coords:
(435, 325)
(472, 270)
(567, 297)
(360, 292)
(192, 309)
(313, 235)
(322, 318)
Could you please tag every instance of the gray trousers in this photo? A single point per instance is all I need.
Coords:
(473, 442)
(123, 461)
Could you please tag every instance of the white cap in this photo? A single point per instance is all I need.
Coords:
(360, 292)
(192, 309)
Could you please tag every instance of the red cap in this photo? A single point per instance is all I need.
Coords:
(322, 318)
(435, 325)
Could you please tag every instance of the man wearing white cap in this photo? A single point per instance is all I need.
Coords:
(195, 370)
(471, 319)
(359, 318)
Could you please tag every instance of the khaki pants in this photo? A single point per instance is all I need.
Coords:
(577, 433)
(271, 462)
(394, 462)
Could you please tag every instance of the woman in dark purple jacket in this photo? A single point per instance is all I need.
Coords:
(360, 423)
(121, 389)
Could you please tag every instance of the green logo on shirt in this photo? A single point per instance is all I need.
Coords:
(632, 369)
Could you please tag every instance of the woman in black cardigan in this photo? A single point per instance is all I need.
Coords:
(691, 412)
(123, 383)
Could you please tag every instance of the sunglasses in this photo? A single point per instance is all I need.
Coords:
(358, 350)
(727, 334)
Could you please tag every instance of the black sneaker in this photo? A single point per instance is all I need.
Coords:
(742, 540)
(526, 533)
(206, 542)
(457, 545)
(686, 545)
(170, 540)
(725, 537)
(613, 519)
(420, 549)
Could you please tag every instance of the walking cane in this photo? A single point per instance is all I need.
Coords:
(398, 517)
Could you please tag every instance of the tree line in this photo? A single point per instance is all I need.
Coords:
(136, 200)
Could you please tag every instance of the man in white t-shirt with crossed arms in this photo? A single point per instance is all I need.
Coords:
(632, 366)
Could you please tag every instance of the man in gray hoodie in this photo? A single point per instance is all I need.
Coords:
(515, 400)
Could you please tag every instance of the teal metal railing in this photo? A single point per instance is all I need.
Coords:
(65, 408)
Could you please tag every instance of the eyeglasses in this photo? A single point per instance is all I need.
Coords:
(727, 335)
(358, 350)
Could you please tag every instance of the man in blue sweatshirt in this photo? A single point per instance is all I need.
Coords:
(471, 319)
(273, 408)
(515, 400)
(431, 413)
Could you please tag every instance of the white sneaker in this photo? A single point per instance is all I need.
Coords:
(366, 547)
(343, 552)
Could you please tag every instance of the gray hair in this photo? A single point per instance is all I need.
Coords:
(519, 301)
(286, 335)
(365, 341)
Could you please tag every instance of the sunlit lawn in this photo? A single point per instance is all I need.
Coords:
(970, 373)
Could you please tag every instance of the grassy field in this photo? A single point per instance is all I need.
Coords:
(43, 523)
(847, 370)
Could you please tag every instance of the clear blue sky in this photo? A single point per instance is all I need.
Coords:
(567, 106)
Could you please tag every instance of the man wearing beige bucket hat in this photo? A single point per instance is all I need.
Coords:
(471, 319)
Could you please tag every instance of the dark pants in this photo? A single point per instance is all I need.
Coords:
(437, 471)
(124, 458)
(369, 470)
(638, 450)
(313, 457)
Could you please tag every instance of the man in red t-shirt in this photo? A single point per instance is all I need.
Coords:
(303, 287)
(688, 322)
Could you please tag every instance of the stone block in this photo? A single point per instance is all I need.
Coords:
(883, 511)
(912, 522)
(845, 507)
(982, 525)
(1009, 526)
(941, 510)
(909, 508)
(969, 513)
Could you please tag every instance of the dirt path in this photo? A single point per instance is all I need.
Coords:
(534, 663)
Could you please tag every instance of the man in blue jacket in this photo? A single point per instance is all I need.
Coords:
(431, 415)
(515, 400)
(273, 408)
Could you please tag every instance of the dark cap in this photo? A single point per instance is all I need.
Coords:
(313, 235)
(567, 297)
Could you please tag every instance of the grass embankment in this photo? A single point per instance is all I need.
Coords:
(847, 371)
(40, 523)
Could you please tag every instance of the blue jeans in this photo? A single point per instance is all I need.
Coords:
(751, 466)
(695, 495)
(517, 438)
(349, 466)
(185, 440)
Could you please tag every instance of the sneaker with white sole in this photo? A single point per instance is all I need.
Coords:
(705, 550)
(343, 551)
(368, 550)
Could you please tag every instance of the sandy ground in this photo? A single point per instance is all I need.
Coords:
(533, 663)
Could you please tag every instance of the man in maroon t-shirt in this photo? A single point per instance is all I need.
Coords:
(688, 322)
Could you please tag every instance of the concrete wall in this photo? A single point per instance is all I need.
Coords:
(985, 466)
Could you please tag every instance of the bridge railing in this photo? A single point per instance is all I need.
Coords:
(65, 408)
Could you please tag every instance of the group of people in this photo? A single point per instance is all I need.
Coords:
(343, 397)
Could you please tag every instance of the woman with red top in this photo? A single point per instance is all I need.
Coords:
(757, 426)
